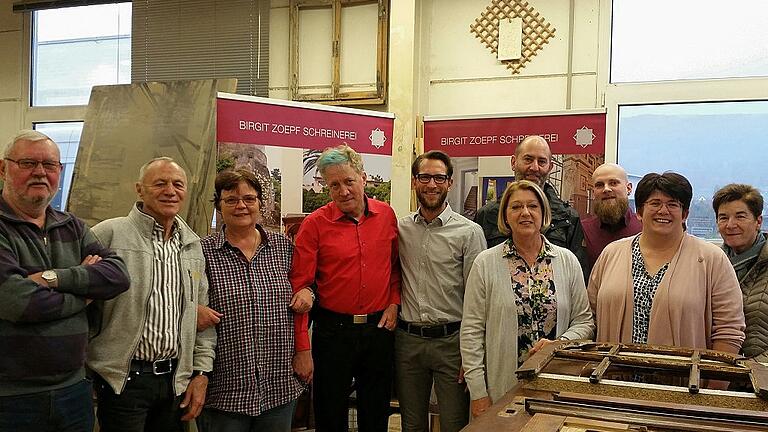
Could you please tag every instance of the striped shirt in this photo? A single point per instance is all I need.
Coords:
(160, 337)
(252, 370)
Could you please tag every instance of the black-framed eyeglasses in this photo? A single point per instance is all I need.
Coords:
(249, 201)
(438, 178)
(30, 164)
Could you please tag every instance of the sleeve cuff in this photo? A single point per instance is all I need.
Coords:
(73, 280)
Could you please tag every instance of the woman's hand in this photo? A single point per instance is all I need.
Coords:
(303, 366)
(480, 406)
(541, 343)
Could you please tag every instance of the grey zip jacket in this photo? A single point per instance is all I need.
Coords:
(122, 319)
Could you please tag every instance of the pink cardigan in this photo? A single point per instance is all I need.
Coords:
(697, 302)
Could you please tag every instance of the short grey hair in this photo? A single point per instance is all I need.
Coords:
(145, 167)
(25, 135)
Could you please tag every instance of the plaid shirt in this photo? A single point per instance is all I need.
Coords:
(252, 371)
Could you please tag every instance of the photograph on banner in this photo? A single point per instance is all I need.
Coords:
(264, 162)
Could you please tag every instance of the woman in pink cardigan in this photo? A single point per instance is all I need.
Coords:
(663, 286)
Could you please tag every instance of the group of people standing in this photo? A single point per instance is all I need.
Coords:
(174, 328)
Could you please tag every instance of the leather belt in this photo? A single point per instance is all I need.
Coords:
(430, 330)
(157, 367)
(326, 315)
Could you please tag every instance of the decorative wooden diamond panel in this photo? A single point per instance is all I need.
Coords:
(536, 30)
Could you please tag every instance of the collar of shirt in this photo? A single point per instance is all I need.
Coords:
(336, 214)
(158, 232)
(444, 216)
(175, 231)
(623, 222)
(509, 250)
(221, 239)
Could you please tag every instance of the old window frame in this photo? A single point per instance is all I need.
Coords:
(336, 97)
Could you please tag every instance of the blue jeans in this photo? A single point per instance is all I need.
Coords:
(277, 419)
(69, 409)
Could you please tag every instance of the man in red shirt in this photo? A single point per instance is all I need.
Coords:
(348, 249)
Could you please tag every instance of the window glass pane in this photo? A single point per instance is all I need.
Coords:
(67, 136)
(658, 40)
(77, 48)
(712, 144)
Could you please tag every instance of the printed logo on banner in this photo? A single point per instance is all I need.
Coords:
(584, 137)
(377, 138)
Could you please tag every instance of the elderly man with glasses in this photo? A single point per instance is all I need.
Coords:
(51, 268)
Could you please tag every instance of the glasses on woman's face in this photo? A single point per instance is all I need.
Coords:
(248, 200)
(517, 207)
(671, 206)
(438, 178)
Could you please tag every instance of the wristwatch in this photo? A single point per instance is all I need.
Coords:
(201, 372)
(50, 277)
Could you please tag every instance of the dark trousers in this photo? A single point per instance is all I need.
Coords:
(342, 352)
(277, 419)
(146, 404)
(69, 409)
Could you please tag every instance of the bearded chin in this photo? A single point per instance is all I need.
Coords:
(611, 212)
(432, 206)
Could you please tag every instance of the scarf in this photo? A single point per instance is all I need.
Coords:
(744, 261)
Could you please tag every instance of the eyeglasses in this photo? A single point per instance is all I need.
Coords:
(247, 200)
(30, 164)
(438, 178)
(656, 205)
(518, 207)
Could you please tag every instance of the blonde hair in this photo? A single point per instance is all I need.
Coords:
(513, 187)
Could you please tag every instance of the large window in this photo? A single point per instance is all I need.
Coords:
(75, 48)
(659, 40)
(67, 136)
(711, 144)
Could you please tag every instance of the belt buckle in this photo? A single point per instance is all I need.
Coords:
(162, 367)
(428, 331)
(359, 319)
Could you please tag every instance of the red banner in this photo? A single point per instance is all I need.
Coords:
(566, 134)
(253, 120)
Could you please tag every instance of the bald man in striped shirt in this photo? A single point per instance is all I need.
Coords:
(152, 364)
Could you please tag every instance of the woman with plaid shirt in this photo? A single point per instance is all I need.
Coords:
(252, 387)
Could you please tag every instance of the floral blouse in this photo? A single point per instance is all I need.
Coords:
(534, 289)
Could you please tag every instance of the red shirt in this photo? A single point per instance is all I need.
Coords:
(354, 264)
(597, 235)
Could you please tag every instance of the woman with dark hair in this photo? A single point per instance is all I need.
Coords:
(739, 211)
(664, 286)
(252, 386)
(520, 295)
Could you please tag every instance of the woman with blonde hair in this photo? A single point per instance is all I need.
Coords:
(520, 295)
